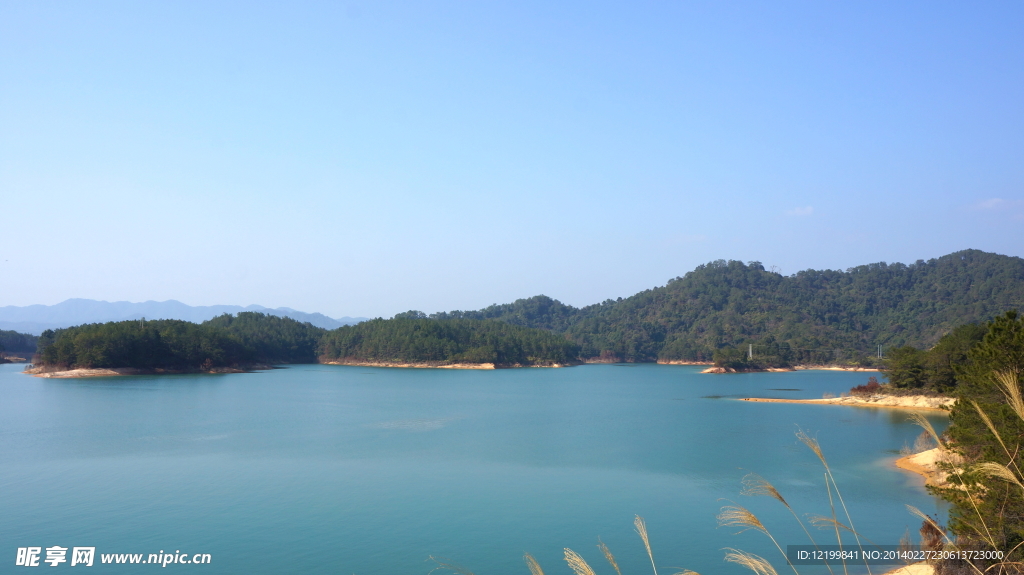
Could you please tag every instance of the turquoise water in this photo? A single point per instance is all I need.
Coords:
(335, 469)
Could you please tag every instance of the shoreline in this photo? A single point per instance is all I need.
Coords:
(925, 464)
(57, 373)
(916, 402)
(920, 568)
(411, 364)
(122, 371)
(438, 365)
(793, 368)
(117, 371)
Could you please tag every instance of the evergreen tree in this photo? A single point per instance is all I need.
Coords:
(995, 511)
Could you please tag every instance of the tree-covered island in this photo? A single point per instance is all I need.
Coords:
(254, 340)
(410, 339)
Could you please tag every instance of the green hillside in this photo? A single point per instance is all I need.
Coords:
(812, 316)
(409, 338)
(15, 342)
(225, 341)
(256, 338)
(719, 311)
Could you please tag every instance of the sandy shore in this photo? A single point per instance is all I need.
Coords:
(926, 463)
(891, 401)
(914, 569)
(437, 365)
(397, 364)
(832, 368)
(83, 373)
(108, 372)
(779, 369)
(682, 362)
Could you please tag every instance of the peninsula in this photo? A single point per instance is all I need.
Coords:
(918, 402)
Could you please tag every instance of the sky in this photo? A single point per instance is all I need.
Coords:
(367, 158)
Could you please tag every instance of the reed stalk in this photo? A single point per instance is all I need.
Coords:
(576, 563)
(987, 535)
(816, 448)
(736, 516)
(757, 564)
(754, 485)
(532, 564)
(641, 530)
(607, 555)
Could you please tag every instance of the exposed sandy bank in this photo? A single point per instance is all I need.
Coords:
(424, 364)
(899, 402)
(776, 369)
(436, 365)
(682, 362)
(732, 370)
(108, 372)
(82, 372)
(832, 368)
(914, 569)
(926, 465)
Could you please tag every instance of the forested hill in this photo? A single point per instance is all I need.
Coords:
(225, 341)
(252, 338)
(14, 342)
(406, 339)
(807, 316)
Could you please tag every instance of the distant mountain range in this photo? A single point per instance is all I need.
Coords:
(35, 319)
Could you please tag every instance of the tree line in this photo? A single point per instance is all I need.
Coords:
(987, 431)
(411, 337)
(225, 341)
(14, 342)
(255, 338)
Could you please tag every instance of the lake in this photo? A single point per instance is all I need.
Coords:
(338, 469)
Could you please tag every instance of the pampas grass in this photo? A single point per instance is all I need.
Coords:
(576, 563)
(816, 448)
(758, 565)
(1007, 383)
(608, 555)
(984, 532)
(923, 422)
(532, 564)
(641, 530)
(997, 471)
(735, 516)
(755, 485)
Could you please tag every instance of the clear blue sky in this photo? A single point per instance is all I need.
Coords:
(369, 158)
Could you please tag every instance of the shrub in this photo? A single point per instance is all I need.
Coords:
(871, 387)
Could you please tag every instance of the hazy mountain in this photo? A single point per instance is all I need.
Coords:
(35, 319)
